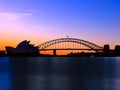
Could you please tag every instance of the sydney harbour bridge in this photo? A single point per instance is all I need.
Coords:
(69, 44)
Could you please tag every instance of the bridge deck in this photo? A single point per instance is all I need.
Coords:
(70, 49)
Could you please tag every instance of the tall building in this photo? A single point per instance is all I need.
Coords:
(106, 50)
(117, 50)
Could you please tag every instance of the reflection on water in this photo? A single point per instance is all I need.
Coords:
(59, 73)
(5, 74)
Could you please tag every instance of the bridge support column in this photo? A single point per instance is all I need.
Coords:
(54, 52)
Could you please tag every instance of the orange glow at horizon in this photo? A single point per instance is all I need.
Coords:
(13, 39)
(14, 42)
(64, 52)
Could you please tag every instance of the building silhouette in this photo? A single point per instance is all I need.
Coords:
(106, 50)
(23, 48)
(117, 50)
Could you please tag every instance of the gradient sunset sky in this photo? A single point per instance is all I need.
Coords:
(97, 21)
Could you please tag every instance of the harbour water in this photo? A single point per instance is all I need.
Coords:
(59, 73)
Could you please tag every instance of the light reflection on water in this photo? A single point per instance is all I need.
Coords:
(5, 74)
(59, 73)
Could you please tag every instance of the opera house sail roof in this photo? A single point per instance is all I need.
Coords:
(23, 48)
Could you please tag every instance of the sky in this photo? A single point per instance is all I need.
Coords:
(97, 21)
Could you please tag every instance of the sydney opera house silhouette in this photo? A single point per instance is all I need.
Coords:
(23, 48)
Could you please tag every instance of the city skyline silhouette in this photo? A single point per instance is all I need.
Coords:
(73, 47)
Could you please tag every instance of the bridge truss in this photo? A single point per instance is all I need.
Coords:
(90, 45)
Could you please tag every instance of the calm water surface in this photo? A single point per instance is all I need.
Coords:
(59, 73)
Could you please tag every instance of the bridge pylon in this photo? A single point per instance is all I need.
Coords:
(54, 52)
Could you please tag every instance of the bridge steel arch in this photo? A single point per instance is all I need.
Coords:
(91, 45)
